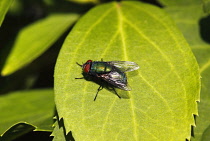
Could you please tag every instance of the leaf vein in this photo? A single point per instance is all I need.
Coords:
(126, 58)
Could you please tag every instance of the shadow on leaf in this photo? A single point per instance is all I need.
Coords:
(68, 136)
(205, 28)
(103, 84)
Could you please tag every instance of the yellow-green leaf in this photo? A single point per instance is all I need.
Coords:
(179, 2)
(195, 28)
(34, 39)
(164, 90)
(4, 6)
(85, 1)
(59, 132)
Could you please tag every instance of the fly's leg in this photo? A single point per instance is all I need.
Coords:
(115, 92)
(80, 78)
(99, 89)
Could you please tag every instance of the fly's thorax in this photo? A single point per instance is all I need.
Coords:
(101, 67)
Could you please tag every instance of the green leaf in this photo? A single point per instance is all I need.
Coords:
(16, 131)
(85, 1)
(164, 90)
(59, 132)
(206, 135)
(36, 107)
(4, 6)
(33, 40)
(206, 6)
(179, 2)
(195, 28)
(190, 24)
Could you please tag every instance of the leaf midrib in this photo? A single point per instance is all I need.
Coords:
(121, 30)
(80, 44)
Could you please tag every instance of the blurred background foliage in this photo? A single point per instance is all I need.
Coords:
(39, 73)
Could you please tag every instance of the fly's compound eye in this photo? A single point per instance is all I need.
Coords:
(87, 66)
(88, 61)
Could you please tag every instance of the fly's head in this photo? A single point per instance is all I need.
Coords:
(87, 66)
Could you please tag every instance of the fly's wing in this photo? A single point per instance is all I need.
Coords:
(124, 66)
(116, 79)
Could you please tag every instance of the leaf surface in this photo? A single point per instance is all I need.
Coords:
(85, 1)
(16, 131)
(33, 107)
(206, 6)
(195, 28)
(58, 133)
(4, 6)
(164, 91)
(33, 40)
(179, 2)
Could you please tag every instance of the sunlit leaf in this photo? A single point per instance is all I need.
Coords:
(85, 1)
(164, 90)
(4, 6)
(179, 2)
(33, 40)
(195, 28)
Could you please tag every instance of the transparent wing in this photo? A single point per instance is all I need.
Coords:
(117, 80)
(124, 66)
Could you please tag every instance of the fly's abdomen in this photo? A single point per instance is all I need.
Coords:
(101, 67)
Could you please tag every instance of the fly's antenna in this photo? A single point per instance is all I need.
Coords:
(78, 64)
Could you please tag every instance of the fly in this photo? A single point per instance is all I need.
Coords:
(112, 72)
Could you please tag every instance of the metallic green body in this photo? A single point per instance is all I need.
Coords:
(100, 67)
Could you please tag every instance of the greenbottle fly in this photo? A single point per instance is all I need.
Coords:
(111, 73)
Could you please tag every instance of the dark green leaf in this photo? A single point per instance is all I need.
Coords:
(16, 131)
(36, 107)
(206, 6)
(206, 134)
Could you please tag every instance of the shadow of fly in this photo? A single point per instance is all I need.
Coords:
(108, 74)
